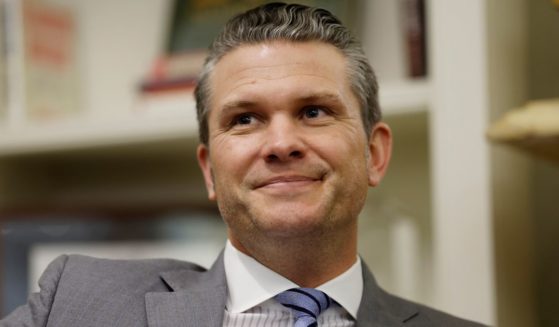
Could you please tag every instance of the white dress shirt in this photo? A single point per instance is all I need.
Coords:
(252, 286)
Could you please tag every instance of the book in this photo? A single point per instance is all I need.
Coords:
(178, 65)
(415, 37)
(169, 86)
(195, 23)
(41, 61)
(174, 72)
(163, 103)
(50, 60)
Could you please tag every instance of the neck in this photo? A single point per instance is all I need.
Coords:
(308, 262)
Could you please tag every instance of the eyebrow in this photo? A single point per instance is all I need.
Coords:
(314, 97)
(238, 104)
(325, 96)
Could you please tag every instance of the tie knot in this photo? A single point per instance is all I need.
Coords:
(305, 304)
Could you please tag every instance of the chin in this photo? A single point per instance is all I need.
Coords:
(291, 233)
(291, 223)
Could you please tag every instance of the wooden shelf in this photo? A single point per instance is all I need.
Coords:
(534, 128)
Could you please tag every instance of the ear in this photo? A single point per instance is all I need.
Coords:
(380, 151)
(203, 155)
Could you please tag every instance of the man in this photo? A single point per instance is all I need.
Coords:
(291, 138)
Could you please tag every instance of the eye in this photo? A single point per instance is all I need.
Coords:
(313, 112)
(243, 119)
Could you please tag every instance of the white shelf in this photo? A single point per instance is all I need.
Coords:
(95, 133)
(404, 97)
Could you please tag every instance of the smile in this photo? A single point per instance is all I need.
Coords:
(287, 182)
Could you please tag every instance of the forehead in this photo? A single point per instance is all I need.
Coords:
(279, 66)
(280, 54)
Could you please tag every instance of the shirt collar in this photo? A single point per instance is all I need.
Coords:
(250, 283)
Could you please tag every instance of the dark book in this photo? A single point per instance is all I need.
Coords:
(415, 36)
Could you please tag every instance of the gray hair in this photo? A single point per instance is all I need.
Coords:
(295, 23)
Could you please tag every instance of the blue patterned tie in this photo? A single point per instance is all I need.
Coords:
(305, 304)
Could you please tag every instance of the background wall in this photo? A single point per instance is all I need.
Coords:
(543, 57)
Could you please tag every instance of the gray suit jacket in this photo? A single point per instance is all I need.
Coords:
(83, 291)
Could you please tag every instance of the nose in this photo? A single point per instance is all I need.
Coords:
(283, 141)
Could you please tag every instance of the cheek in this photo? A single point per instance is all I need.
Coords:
(232, 157)
(342, 149)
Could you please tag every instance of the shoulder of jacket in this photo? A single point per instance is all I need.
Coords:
(445, 319)
(78, 260)
(390, 309)
(91, 268)
(427, 316)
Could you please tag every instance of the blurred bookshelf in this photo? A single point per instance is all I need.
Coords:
(121, 150)
(106, 107)
(124, 147)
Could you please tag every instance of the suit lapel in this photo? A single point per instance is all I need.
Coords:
(379, 308)
(197, 298)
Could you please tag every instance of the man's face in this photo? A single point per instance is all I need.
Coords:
(287, 153)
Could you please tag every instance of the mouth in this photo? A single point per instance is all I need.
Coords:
(288, 181)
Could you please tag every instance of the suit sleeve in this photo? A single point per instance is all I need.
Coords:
(36, 312)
